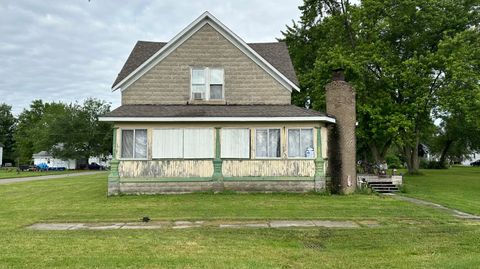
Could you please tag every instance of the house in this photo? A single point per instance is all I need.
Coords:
(44, 157)
(207, 111)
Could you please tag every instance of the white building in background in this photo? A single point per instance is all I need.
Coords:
(1, 154)
(471, 158)
(47, 158)
(101, 160)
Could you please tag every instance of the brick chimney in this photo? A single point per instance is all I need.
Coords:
(340, 97)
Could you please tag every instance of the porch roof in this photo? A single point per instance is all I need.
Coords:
(215, 113)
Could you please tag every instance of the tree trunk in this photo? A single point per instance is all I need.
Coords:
(411, 155)
(443, 157)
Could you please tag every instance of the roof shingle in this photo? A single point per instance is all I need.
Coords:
(213, 111)
(275, 53)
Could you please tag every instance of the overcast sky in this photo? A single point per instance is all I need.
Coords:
(73, 49)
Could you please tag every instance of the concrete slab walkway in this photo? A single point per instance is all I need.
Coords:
(23, 179)
(198, 224)
(453, 212)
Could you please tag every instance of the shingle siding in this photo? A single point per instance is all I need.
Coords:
(169, 81)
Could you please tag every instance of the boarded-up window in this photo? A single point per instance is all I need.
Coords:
(198, 143)
(134, 144)
(235, 143)
(195, 143)
(300, 143)
(267, 143)
(167, 143)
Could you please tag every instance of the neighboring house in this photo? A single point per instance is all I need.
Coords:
(471, 158)
(101, 160)
(207, 111)
(47, 158)
(1, 154)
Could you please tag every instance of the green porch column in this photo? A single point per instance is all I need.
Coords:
(217, 162)
(319, 176)
(114, 177)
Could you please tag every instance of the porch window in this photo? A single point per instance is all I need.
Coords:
(198, 143)
(134, 144)
(267, 143)
(235, 143)
(300, 143)
(207, 83)
(167, 143)
(189, 143)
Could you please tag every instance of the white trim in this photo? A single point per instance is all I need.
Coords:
(215, 119)
(185, 34)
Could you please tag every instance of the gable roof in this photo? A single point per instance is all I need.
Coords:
(276, 53)
(224, 113)
(136, 68)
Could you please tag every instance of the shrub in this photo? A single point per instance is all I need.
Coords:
(436, 165)
(393, 162)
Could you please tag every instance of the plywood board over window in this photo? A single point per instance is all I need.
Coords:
(235, 143)
(179, 143)
(167, 143)
(198, 143)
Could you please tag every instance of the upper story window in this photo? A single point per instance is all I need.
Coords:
(207, 83)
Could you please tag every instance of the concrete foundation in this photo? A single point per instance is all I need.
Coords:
(176, 187)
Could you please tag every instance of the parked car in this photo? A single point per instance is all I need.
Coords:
(95, 166)
(475, 163)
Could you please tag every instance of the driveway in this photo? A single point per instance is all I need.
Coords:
(23, 179)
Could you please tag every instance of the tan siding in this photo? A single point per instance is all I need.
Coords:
(165, 168)
(169, 81)
(254, 168)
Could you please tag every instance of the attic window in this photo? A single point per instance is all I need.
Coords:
(207, 83)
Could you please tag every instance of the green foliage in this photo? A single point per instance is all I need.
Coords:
(68, 131)
(404, 59)
(393, 162)
(7, 127)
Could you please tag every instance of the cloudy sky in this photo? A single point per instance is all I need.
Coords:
(73, 49)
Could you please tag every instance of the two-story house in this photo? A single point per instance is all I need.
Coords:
(207, 111)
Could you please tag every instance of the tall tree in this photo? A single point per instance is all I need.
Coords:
(68, 131)
(390, 50)
(83, 134)
(7, 127)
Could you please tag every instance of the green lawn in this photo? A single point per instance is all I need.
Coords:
(410, 236)
(12, 173)
(457, 187)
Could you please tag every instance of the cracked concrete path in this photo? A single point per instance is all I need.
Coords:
(454, 212)
(24, 179)
(201, 223)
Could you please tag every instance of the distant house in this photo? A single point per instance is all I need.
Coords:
(47, 158)
(1, 154)
(471, 158)
(208, 111)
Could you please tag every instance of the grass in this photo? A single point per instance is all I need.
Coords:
(12, 173)
(457, 187)
(410, 236)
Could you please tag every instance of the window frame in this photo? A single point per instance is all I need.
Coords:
(313, 138)
(207, 72)
(280, 143)
(133, 144)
